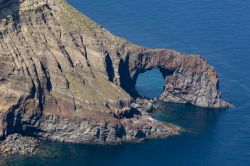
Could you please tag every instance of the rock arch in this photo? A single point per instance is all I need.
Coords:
(54, 70)
(190, 79)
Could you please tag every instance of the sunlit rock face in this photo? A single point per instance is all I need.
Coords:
(59, 68)
(188, 79)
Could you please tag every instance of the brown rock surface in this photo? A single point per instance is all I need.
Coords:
(66, 78)
(17, 144)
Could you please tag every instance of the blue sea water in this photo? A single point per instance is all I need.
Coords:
(218, 30)
(150, 84)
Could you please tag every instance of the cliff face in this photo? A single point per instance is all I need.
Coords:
(63, 77)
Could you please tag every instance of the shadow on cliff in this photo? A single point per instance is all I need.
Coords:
(9, 8)
(9, 14)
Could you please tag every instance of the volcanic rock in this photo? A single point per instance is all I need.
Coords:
(63, 77)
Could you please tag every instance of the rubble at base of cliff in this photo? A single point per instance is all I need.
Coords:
(135, 127)
(145, 105)
(16, 144)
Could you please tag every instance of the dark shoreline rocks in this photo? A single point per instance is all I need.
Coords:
(132, 125)
(16, 144)
(135, 128)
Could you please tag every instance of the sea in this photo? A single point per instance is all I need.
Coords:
(219, 30)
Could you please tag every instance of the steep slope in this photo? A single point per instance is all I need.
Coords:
(64, 77)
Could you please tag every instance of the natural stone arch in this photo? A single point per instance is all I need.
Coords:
(54, 71)
(190, 79)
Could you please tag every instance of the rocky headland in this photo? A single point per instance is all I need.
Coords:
(65, 78)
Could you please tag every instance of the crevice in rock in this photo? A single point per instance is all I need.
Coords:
(11, 118)
(125, 79)
(120, 131)
(109, 67)
(36, 80)
(140, 134)
(66, 55)
(59, 67)
(47, 77)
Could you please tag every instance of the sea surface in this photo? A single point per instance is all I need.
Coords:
(219, 30)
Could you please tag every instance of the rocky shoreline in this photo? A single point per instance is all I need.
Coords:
(134, 128)
(134, 124)
(16, 144)
(65, 78)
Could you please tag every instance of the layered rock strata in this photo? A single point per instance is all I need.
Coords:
(64, 77)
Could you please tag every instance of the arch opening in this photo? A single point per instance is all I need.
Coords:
(150, 84)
